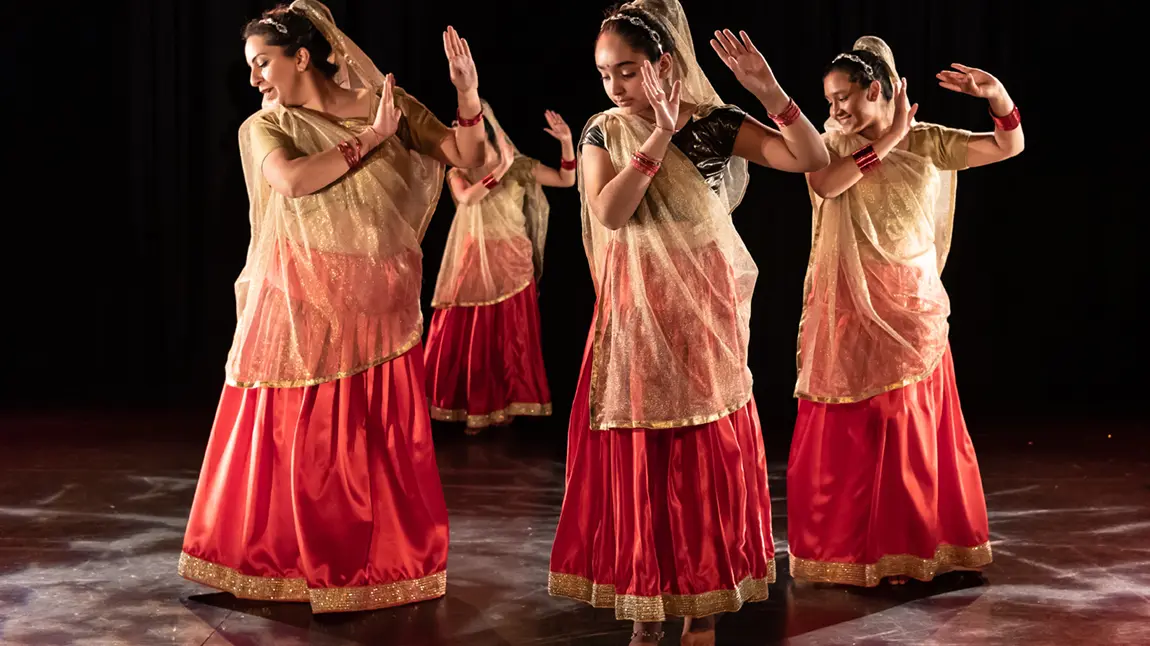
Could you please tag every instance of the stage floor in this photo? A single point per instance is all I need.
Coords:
(92, 513)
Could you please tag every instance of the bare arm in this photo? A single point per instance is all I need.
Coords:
(985, 148)
(467, 193)
(843, 172)
(546, 175)
(307, 174)
(463, 147)
(614, 197)
(795, 148)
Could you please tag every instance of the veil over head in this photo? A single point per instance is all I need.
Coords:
(331, 284)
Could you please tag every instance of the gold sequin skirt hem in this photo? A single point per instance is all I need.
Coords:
(476, 423)
(947, 558)
(349, 599)
(657, 608)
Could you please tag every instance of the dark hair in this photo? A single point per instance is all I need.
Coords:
(638, 37)
(857, 73)
(297, 33)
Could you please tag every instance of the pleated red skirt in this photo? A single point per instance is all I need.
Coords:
(888, 486)
(485, 363)
(664, 522)
(326, 494)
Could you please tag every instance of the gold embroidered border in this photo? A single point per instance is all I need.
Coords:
(946, 558)
(301, 383)
(636, 608)
(440, 305)
(243, 586)
(697, 420)
(479, 422)
(371, 597)
(851, 399)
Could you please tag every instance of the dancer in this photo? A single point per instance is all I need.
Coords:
(484, 355)
(666, 509)
(883, 480)
(319, 483)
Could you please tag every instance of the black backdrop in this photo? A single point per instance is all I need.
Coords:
(129, 304)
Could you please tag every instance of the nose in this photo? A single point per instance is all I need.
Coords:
(255, 77)
(617, 89)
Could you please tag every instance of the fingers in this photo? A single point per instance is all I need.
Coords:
(728, 49)
(748, 44)
(466, 48)
(727, 60)
(951, 86)
(963, 68)
(676, 90)
(910, 115)
(736, 46)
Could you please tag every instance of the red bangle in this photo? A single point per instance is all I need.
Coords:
(490, 182)
(866, 159)
(645, 164)
(568, 164)
(467, 123)
(789, 115)
(1011, 121)
(351, 154)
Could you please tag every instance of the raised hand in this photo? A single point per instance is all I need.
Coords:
(388, 115)
(745, 60)
(557, 127)
(459, 61)
(666, 106)
(903, 111)
(970, 80)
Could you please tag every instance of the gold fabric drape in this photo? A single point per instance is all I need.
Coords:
(875, 309)
(331, 285)
(495, 246)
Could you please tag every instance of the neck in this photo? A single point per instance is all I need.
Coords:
(879, 125)
(324, 95)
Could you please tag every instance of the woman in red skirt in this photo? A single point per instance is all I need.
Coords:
(484, 355)
(667, 511)
(883, 482)
(319, 483)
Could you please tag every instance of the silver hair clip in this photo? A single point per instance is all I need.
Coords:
(851, 57)
(278, 25)
(639, 22)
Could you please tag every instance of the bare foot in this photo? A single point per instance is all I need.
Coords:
(898, 580)
(646, 632)
(699, 631)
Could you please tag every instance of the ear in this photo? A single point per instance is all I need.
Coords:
(302, 59)
(664, 66)
(874, 91)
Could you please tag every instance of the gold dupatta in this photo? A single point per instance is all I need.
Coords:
(332, 279)
(875, 309)
(495, 246)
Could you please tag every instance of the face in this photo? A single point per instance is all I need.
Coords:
(276, 75)
(852, 106)
(618, 66)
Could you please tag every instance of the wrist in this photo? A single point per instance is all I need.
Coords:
(773, 98)
(468, 100)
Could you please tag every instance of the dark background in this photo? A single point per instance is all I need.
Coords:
(135, 224)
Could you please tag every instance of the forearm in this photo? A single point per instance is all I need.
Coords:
(844, 172)
(567, 176)
(801, 138)
(312, 173)
(1010, 141)
(471, 139)
(621, 196)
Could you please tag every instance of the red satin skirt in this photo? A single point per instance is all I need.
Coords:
(885, 487)
(485, 363)
(664, 522)
(326, 494)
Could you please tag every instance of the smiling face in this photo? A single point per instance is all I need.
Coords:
(275, 74)
(853, 106)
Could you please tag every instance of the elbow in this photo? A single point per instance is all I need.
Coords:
(607, 219)
(820, 189)
(818, 161)
(290, 188)
(568, 182)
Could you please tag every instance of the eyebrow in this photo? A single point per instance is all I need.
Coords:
(258, 54)
(620, 64)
